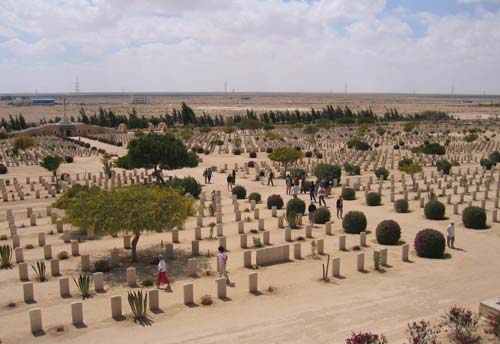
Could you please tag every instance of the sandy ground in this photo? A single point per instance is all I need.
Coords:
(461, 106)
(301, 310)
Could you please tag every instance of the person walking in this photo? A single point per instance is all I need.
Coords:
(234, 177)
(288, 181)
(311, 209)
(270, 178)
(161, 277)
(229, 182)
(209, 175)
(321, 195)
(340, 207)
(303, 184)
(222, 263)
(295, 191)
(450, 238)
(262, 175)
(312, 192)
(205, 175)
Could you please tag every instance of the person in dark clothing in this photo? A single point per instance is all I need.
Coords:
(312, 192)
(209, 175)
(303, 184)
(271, 177)
(229, 182)
(311, 209)
(234, 177)
(340, 207)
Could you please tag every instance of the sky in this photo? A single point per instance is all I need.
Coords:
(421, 46)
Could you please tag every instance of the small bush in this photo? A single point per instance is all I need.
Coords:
(255, 196)
(147, 282)
(401, 206)
(206, 300)
(461, 324)
(429, 243)
(474, 217)
(237, 151)
(3, 237)
(296, 205)
(68, 159)
(308, 154)
(434, 210)
(187, 185)
(388, 232)
(63, 255)
(239, 191)
(354, 222)
(251, 164)
(321, 215)
(252, 155)
(373, 199)
(366, 338)
(3, 169)
(269, 150)
(102, 265)
(382, 171)
(275, 201)
(348, 194)
(29, 246)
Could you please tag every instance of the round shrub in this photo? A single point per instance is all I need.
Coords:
(388, 232)
(275, 201)
(434, 210)
(68, 159)
(401, 206)
(373, 199)
(239, 191)
(63, 255)
(309, 154)
(254, 196)
(474, 217)
(429, 243)
(237, 151)
(3, 169)
(187, 185)
(296, 205)
(354, 222)
(102, 266)
(269, 150)
(251, 164)
(252, 155)
(382, 171)
(200, 150)
(322, 215)
(348, 194)
(396, 147)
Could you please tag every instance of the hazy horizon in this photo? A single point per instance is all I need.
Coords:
(265, 46)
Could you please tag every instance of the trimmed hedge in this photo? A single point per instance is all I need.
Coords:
(354, 222)
(388, 232)
(255, 196)
(434, 210)
(348, 194)
(373, 199)
(474, 217)
(321, 215)
(239, 191)
(430, 243)
(275, 201)
(296, 205)
(401, 206)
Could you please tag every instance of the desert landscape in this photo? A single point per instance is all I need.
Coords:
(290, 279)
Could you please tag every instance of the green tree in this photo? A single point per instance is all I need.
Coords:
(23, 142)
(410, 167)
(135, 210)
(328, 172)
(159, 152)
(285, 156)
(444, 166)
(52, 163)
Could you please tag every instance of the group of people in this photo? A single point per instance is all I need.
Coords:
(270, 177)
(162, 278)
(207, 174)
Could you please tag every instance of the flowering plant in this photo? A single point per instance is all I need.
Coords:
(493, 327)
(422, 332)
(462, 324)
(366, 338)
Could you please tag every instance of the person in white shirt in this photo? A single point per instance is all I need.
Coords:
(222, 263)
(450, 238)
(162, 273)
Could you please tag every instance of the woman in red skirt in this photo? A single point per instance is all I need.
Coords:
(162, 273)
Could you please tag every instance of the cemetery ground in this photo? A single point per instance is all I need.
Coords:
(291, 304)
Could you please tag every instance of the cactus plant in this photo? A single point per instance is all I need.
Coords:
(83, 284)
(138, 303)
(39, 270)
(292, 219)
(5, 256)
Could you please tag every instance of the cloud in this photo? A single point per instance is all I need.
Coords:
(260, 45)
